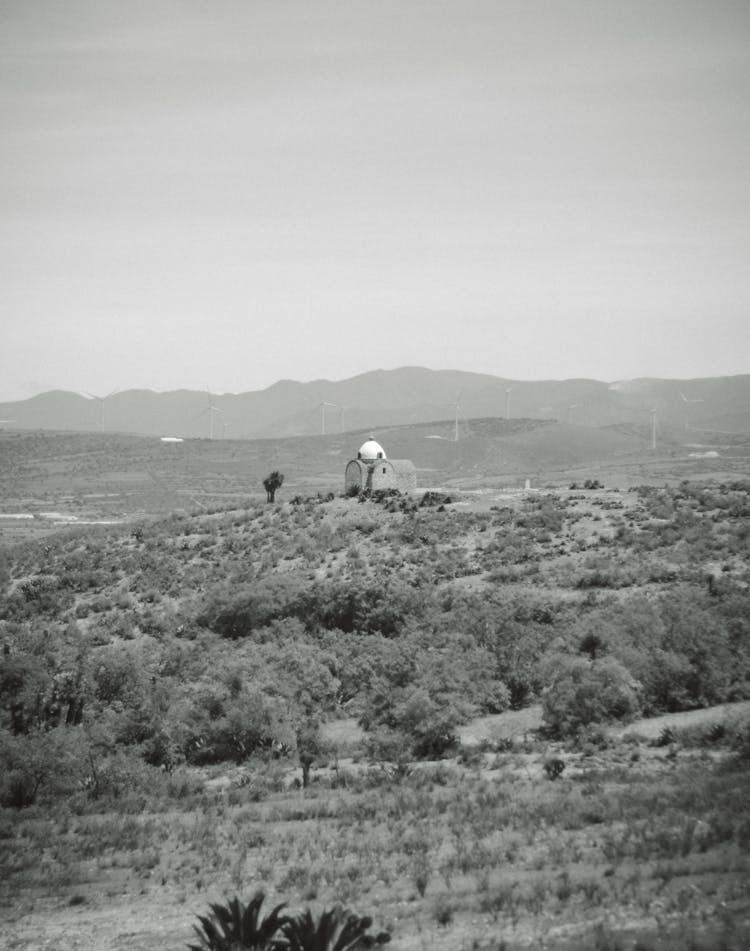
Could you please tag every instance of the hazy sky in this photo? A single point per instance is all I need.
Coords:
(221, 194)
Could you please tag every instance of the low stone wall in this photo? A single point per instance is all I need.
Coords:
(397, 474)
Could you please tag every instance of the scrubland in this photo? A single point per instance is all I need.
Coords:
(168, 688)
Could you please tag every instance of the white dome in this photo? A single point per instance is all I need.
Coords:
(371, 450)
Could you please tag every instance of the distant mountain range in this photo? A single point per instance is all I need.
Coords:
(384, 398)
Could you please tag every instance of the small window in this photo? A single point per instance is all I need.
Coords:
(383, 470)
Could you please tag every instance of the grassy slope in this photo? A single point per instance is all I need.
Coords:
(445, 856)
(643, 842)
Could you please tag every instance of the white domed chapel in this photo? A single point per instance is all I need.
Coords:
(373, 470)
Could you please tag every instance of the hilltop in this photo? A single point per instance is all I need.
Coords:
(49, 478)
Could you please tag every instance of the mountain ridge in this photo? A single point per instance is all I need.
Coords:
(390, 397)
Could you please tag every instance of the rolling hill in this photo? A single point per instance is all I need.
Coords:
(53, 478)
(383, 398)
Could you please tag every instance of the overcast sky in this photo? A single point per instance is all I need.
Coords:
(225, 193)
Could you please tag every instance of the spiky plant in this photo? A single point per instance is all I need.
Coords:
(236, 926)
(336, 930)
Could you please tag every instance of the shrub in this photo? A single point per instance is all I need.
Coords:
(231, 728)
(116, 675)
(340, 605)
(250, 608)
(234, 925)
(43, 763)
(337, 929)
(554, 767)
(425, 725)
(24, 685)
(741, 742)
(390, 749)
(584, 692)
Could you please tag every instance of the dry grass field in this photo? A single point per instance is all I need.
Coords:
(633, 843)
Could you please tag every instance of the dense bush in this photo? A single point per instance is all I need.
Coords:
(515, 631)
(45, 763)
(364, 606)
(582, 692)
(233, 614)
(39, 596)
(419, 724)
(687, 649)
(45, 686)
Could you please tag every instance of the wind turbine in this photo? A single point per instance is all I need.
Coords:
(687, 402)
(212, 412)
(508, 391)
(457, 409)
(101, 399)
(322, 407)
(340, 408)
(653, 429)
(571, 408)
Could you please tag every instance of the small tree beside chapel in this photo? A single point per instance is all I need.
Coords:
(272, 483)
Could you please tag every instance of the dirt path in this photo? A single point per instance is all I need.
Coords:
(651, 727)
(516, 723)
(127, 923)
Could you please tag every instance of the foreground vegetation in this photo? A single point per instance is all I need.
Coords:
(631, 842)
(163, 685)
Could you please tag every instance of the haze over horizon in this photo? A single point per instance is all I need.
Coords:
(221, 196)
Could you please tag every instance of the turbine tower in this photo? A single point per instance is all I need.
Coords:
(687, 401)
(323, 404)
(457, 407)
(508, 390)
(100, 400)
(457, 411)
(212, 411)
(653, 429)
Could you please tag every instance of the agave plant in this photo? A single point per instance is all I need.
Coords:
(236, 926)
(336, 930)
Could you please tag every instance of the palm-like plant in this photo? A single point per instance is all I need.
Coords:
(236, 926)
(336, 930)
